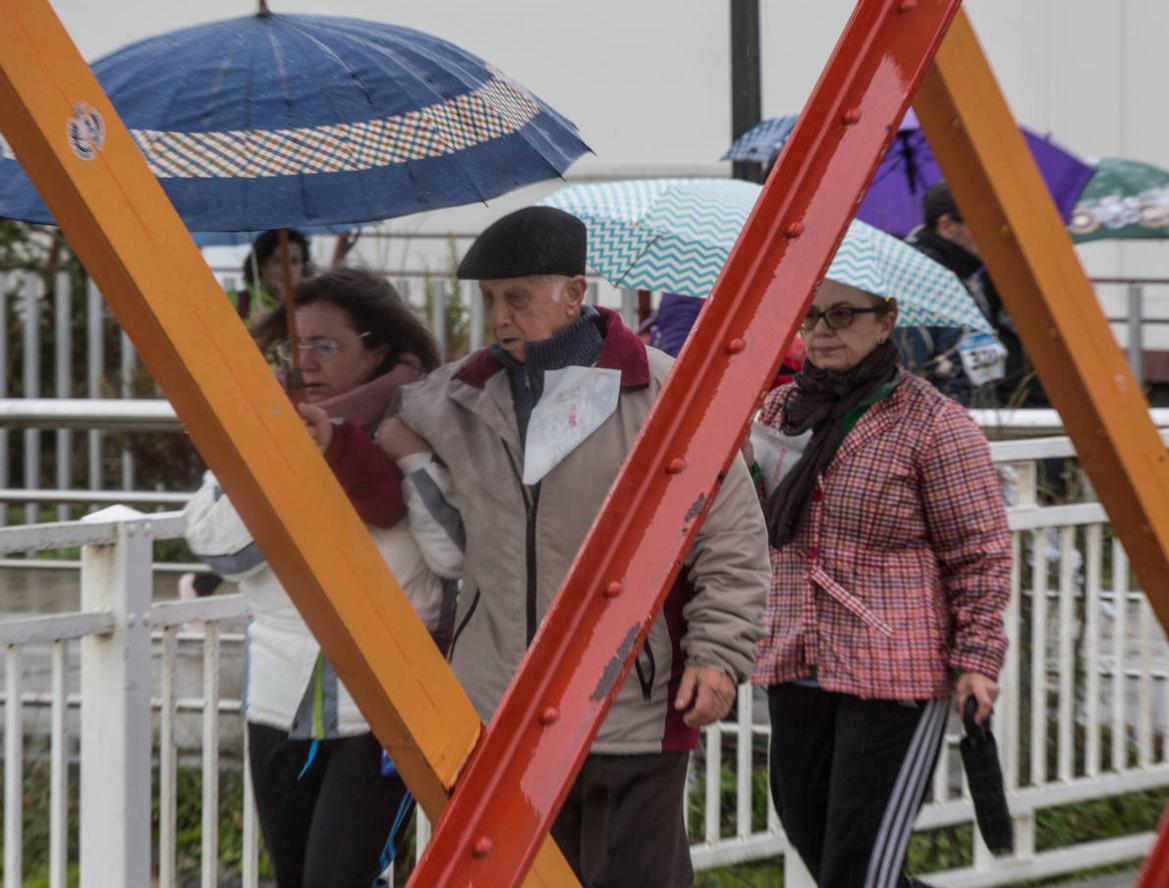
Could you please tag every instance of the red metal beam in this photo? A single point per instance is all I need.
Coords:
(1155, 872)
(516, 780)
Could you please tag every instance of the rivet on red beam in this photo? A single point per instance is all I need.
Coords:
(850, 116)
(613, 589)
(675, 466)
(549, 716)
(907, 6)
(483, 846)
(735, 346)
(793, 230)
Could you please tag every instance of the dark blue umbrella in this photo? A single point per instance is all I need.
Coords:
(893, 202)
(273, 121)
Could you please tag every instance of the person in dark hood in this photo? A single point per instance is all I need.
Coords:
(935, 352)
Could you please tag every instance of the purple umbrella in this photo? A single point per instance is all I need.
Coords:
(893, 202)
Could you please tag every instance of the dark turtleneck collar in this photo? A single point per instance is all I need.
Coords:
(577, 345)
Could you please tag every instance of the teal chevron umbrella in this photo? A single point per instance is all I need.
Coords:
(674, 235)
(1123, 199)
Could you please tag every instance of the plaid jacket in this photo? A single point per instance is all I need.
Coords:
(901, 569)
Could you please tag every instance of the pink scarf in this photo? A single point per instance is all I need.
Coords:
(369, 403)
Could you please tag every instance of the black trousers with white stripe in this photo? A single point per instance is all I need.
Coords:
(848, 777)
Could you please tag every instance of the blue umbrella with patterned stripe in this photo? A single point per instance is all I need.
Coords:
(674, 235)
(272, 121)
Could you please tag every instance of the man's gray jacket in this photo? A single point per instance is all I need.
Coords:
(521, 541)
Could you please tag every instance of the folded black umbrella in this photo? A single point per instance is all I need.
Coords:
(980, 758)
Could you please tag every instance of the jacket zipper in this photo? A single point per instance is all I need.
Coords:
(463, 625)
(531, 503)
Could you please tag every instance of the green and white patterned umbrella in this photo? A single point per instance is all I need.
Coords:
(674, 235)
(1124, 199)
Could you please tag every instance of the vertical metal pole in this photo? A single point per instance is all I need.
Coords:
(211, 756)
(251, 841)
(59, 770)
(63, 311)
(129, 359)
(629, 308)
(1136, 331)
(32, 389)
(746, 88)
(475, 341)
(795, 873)
(115, 713)
(95, 363)
(437, 296)
(167, 759)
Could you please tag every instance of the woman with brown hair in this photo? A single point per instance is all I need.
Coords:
(331, 809)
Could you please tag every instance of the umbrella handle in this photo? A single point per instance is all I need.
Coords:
(295, 379)
(973, 729)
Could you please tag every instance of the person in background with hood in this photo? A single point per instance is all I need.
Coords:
(948, 357)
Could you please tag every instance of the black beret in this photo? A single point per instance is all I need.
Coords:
(534, 240)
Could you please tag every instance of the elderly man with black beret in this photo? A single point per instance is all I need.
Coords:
(534, 430)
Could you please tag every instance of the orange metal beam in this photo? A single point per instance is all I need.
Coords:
(1030, 256)
(93, 179)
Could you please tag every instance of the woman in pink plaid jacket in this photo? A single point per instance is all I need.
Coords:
(890, 572)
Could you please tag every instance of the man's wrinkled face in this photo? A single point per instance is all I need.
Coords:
(530, 309)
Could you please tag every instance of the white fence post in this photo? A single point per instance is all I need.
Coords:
(13, 767)
(795, 874)
(95, 364)
(629, 308)
(115, 713)
(1136, 330)
(63, 379)
(32, 389)
(436, 292)
(475, 309)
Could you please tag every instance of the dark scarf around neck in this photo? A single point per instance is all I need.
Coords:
(577, 345)
(819, 403)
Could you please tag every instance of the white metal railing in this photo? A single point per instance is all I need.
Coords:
(117, 632)
(103, 363)
(1084, 646)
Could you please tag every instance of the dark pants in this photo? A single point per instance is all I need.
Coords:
(330, 827)
(622, 823)
(848, 777)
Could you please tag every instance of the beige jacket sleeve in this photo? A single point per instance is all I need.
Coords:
(730, 569)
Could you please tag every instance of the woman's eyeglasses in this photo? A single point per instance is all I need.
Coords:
(837, 317)
(321, 349)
